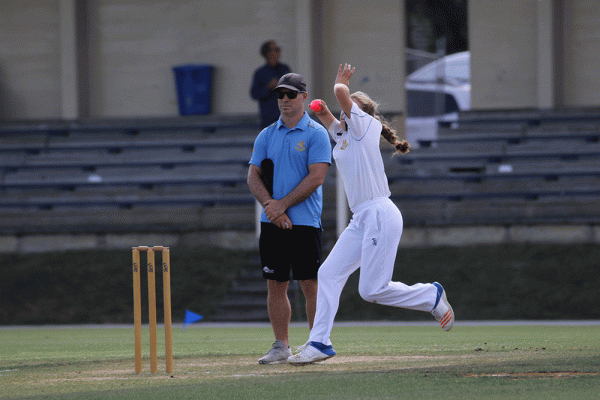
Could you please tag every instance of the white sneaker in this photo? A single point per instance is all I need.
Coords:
(443, 312)
(298, 349)
(311, 353)
(278, 354)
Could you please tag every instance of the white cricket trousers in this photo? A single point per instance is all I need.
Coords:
(369, 242)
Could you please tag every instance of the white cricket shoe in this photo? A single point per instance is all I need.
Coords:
(298, 349)
(443, 312)
(311, 353)
(278, 354)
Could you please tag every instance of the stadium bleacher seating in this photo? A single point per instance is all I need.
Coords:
(118, 175)
(498, 167)
(186, 174)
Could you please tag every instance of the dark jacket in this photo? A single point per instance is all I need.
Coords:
(269, 110)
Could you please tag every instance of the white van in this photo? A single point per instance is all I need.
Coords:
(435, 93)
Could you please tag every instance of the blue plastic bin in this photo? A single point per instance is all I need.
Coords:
(194, 88)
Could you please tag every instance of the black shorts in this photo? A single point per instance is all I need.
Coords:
(282, 250)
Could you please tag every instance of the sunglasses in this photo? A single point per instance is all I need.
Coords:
(291, 94)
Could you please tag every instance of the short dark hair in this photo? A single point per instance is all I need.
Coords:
(264, 49)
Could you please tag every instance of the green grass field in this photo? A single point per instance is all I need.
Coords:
(473, 361)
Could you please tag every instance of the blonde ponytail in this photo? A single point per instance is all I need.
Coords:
(370, 107)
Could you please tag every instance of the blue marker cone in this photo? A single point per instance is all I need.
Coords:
(190, 317)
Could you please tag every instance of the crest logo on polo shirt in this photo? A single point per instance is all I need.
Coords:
(344, 145)
(300, 146)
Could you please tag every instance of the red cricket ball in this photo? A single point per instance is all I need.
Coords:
(315, 105)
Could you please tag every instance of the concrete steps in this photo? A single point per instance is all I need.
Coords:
(247, 299)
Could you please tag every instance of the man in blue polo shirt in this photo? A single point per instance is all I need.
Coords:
(292, 197)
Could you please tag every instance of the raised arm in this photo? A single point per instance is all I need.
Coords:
(341, 90)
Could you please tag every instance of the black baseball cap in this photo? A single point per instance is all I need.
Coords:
(292, 81)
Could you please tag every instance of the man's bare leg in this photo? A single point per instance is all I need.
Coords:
(309, 288)
(280, 310)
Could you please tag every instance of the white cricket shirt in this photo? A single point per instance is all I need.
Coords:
(358, 158)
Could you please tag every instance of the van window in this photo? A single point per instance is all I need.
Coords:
(451, 104)
(422, 103)
(459, 71)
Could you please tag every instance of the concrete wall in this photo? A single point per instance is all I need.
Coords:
(502, 41)
(136, 44)
(411, 237)
(370, 39)
(29, 59)
(534, 53)
(132, 45)
(582, 53)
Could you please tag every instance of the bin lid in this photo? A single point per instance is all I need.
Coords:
(193, 66)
